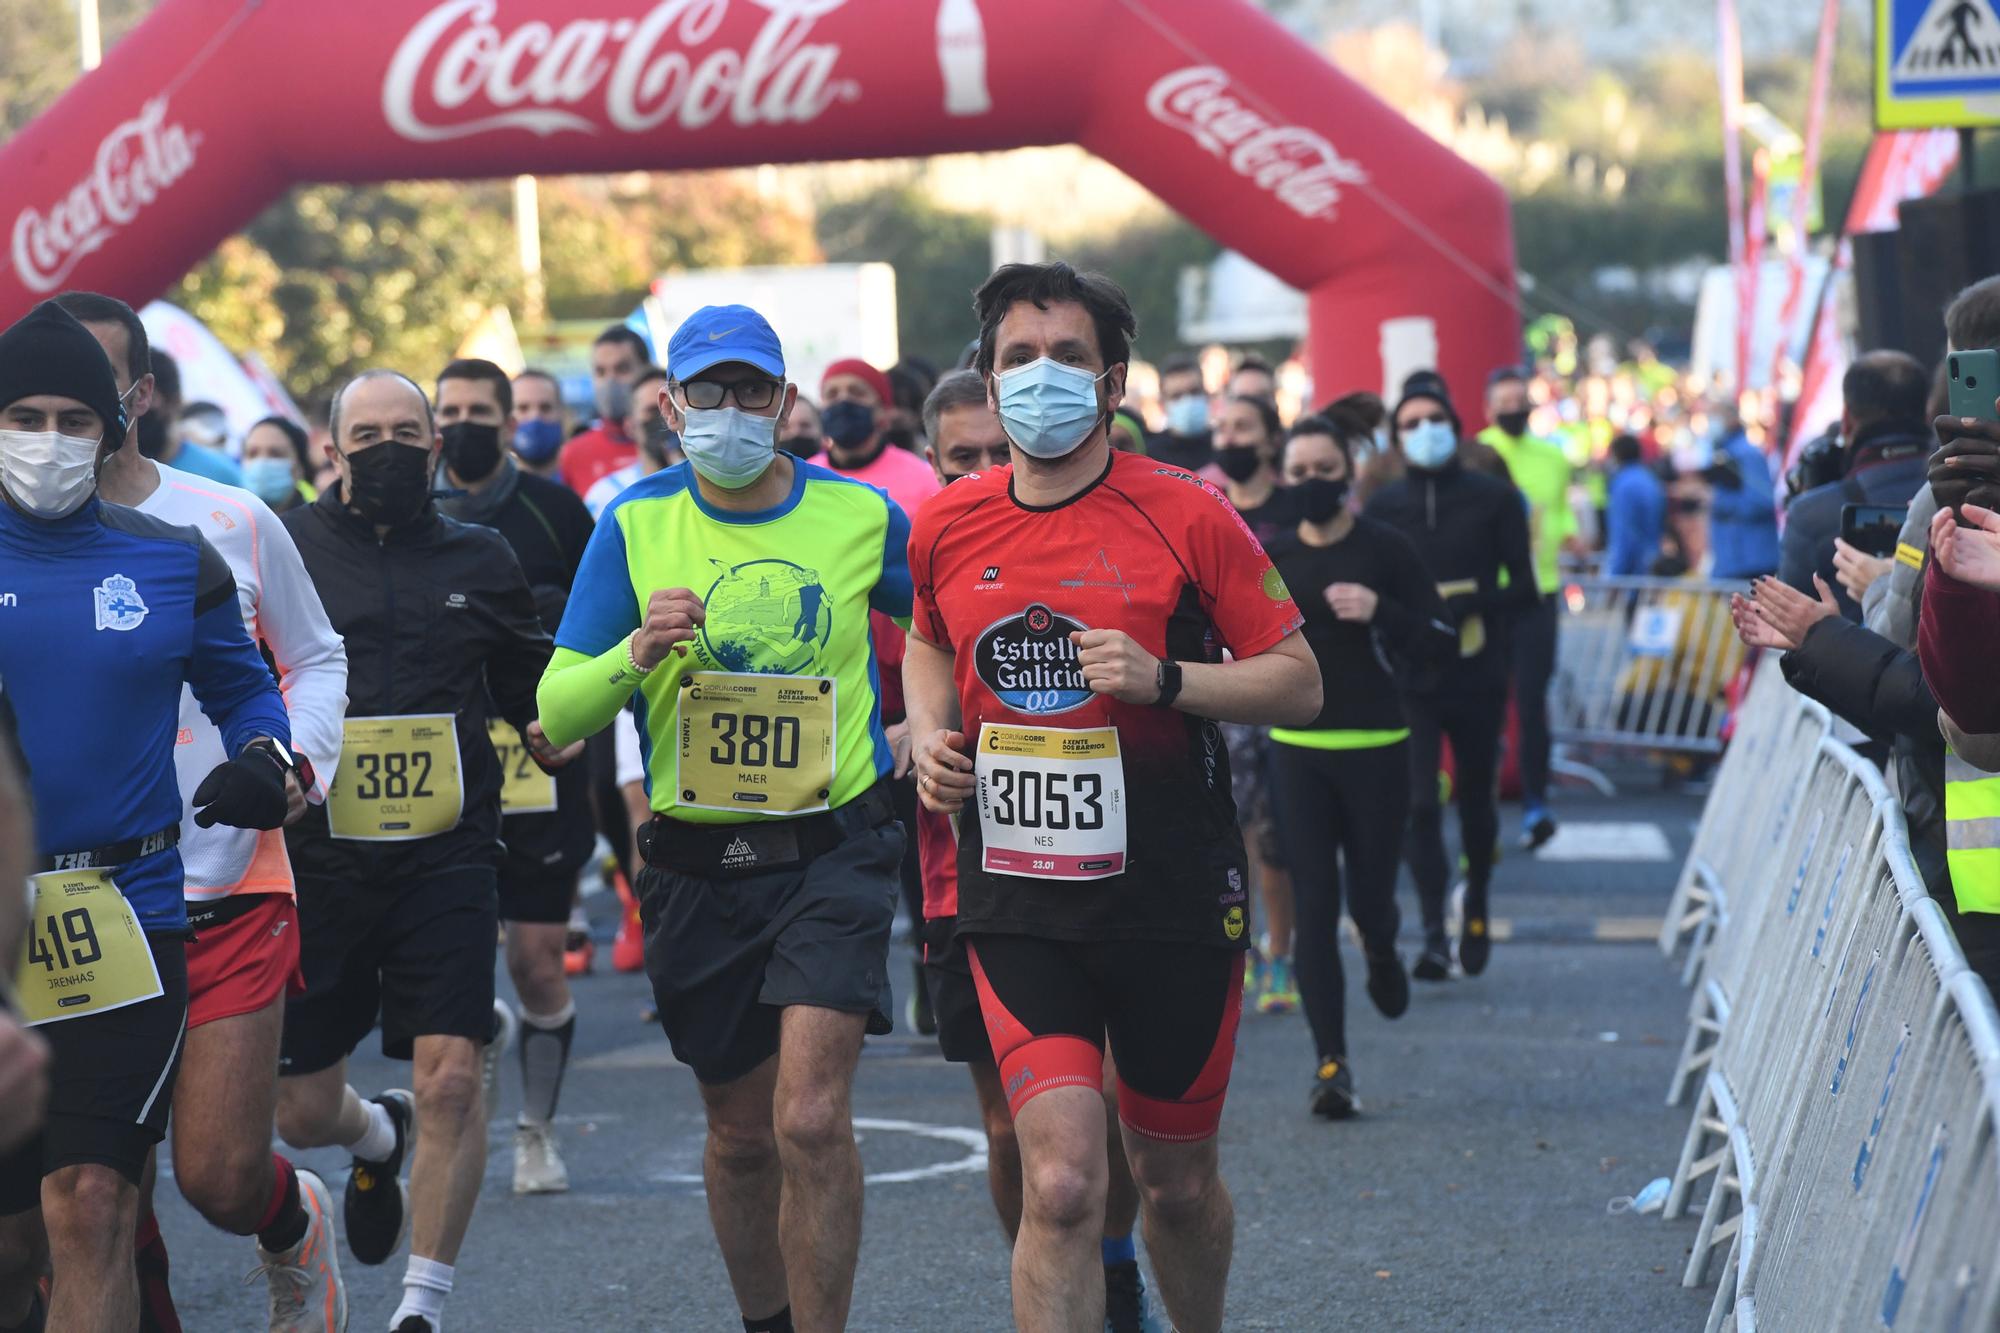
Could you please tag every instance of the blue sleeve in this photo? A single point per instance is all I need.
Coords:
(226, 672)
(603, 607)
(893, 592)
(1626, 521)
(1755, 498)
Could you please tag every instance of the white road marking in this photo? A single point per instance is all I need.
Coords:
(972, 1140)
(1607, 841)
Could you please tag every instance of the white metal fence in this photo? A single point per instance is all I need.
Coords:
(1845, 1064)
(1643, 663)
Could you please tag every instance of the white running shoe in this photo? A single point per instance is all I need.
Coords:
(505, 1025)
(307, 1294)
(538, 1167)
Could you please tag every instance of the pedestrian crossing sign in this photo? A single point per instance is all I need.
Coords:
(1937, 64)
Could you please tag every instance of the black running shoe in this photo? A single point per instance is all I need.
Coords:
(1475, 943)
(373, 1213)
(414, 1323)
(1388, 985)
(922, 1020)
(1536, 830)
(1126, 1309)
(1333, 1090)
(1434, 963)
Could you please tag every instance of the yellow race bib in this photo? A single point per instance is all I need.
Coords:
(524, 788)
(1472, 629)
(753, 742)
(84, 953)
(398, 779)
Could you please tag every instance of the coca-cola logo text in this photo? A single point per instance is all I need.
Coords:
(1296, 165)
(646, 71)
(135, 162)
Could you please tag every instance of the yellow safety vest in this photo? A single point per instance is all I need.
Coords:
(1972, 834)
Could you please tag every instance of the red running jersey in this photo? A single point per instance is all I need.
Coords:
(1094, 819)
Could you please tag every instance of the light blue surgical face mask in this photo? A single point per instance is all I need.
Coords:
(269, 479)
(1430, 444)
(1047, 408)
(1188, 414)
(729, 446)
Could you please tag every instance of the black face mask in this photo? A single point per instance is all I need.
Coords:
(847, 423)
(660, 443)
(153, 434)
(471, 449)
(1239, 463)
(1514, 423)
(389, 483)
(1320, 498)
(800, 446)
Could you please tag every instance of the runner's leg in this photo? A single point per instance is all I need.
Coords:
(1003, 1149)
(1314, 825)
(1425, 850)
(91, 1211)
(740, 1168)
(1474, 724)
(319, 1110)
(24, 1258)
(1534, 650)
(450, 1158)
(1375, 808)
(548, 1018)
(1190, 1226)
(223, 1108)
(819, 1217)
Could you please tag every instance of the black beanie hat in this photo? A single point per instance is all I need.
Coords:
(48, 352)
(1425, 384)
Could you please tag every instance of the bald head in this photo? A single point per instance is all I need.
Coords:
(378, 405)
(1884, 386)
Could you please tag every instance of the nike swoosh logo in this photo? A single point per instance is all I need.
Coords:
(718, 337)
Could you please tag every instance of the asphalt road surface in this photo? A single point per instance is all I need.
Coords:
(1501, 1114)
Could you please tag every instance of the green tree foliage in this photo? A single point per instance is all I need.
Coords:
(941, 257)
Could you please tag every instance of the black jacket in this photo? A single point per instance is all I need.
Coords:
(434, 616)
(1880, 688)
(1467, 527)
(1885, 466)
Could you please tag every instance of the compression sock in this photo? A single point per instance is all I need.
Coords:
(156, 1298)
(285, 1219)
(378, 1141)
(1119, 1250)
(780, 1322)
(545, 1040)
(425, 1285)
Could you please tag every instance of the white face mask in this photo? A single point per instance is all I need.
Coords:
(48, 474)
(1430, 444)
(729, 446)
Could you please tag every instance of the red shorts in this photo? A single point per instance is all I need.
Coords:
(244, 954)
(1168, 1011)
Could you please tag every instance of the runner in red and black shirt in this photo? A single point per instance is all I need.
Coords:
(1064, 675)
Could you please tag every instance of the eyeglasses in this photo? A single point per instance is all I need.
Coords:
(752, 394)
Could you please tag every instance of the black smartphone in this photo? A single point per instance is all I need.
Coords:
(1872, 529)
(1975, 383)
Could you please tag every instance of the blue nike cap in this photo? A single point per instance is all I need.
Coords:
(718, 333)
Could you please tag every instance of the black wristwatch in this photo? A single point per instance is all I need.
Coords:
(286, 759)
(1168, 678)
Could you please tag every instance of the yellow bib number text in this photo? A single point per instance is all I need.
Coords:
(85, 953)
(749, 742)
(398, 779)
(524, 788)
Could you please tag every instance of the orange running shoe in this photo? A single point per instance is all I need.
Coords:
(628, 951)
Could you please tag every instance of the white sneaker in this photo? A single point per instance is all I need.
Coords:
(538, 1167)
(505, 1025)
(307, 1295)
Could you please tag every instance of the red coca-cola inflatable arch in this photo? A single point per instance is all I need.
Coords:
(210, 108)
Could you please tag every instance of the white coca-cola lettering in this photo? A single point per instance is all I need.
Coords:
(136, 161)
(647, 71)
(1295, 164)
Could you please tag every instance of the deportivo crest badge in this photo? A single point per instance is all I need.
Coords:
(119, 605)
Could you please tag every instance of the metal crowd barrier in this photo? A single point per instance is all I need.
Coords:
(1643, 662)
(1846, 1063)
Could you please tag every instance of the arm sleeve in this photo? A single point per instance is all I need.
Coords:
(1865, 678)
(1958, 640)
(926, 621)
(520, 650)
(890, 646)
(1240, 588)
(225, 671)
(893, 595)
(588, 679)
(312, 660)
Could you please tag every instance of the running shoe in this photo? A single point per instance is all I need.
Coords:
(579, 950)
(923, 1021)
(1475, 944)
(374, 1214)
(505, 1025)
(1281, 989)
(1256, 972)
(307, 1295)
(1434, 963)
(1126, 1308)
(1333, 1090)
(414, 1323)
(538, 1167)
(628, 950)
(1388, 985)
(1536, 828)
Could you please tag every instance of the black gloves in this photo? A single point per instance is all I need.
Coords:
(246, 792)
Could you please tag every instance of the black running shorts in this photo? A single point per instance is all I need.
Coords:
(961, 1028)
